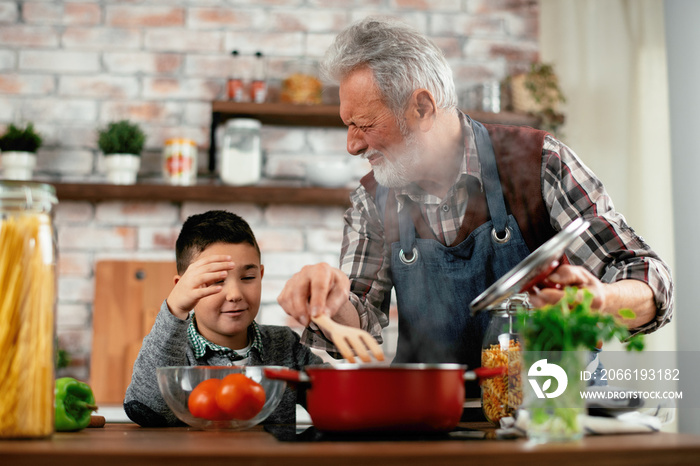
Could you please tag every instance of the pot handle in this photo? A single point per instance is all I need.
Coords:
(289, 375)
(484, 373)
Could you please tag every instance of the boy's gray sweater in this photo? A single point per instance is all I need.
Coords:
(167, 345)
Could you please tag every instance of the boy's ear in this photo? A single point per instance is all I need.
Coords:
(262, 270)
(176, 279)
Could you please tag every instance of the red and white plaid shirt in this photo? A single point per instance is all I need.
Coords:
(571, 191)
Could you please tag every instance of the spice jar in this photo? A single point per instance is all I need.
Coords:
(180, 161)
(27, 309)
(501, 396)
(241, 155)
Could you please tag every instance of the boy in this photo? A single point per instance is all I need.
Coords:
(219, 276)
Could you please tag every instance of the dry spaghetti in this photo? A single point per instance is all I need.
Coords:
(27, 294)
(501, 396)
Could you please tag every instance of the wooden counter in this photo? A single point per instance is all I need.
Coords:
(127, 444)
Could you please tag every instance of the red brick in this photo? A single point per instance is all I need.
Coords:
(28, 36)
(183, 40)
(45, 60)
(172, 88)
(315, 20)
(281, 44)
(60, 110)
(9, 12)
(136, 62)
(101, 38)
(211, 66)
(74, 263)
(42, 12)
(85, 238)
(144, 16)
(82, 13)
(426, 5)
(61, 13)
(99, 86)
(159, 112)
(224, 17)
(23, 84)
(488, 6)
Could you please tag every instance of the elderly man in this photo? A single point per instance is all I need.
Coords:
(451, 205)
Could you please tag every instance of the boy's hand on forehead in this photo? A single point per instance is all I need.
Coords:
(201, 279)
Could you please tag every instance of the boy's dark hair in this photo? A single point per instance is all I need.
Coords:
(202, 230)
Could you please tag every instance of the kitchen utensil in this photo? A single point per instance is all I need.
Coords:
(350, 341)
(532, 270)
(176, 384)
(401, 397)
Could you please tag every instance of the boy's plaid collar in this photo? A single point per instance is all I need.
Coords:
(200, 344)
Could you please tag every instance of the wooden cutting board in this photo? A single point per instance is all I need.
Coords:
(128, 295)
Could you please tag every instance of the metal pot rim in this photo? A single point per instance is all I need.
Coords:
(393, 367)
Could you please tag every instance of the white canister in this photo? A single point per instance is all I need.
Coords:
(241, 155)
(180, 161)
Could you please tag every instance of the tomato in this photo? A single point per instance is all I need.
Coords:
(240, 397)
(202, 401)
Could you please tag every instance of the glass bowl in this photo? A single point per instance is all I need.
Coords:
(176, 384)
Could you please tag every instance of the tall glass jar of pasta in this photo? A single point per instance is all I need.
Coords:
(501, 396)
(27, 309)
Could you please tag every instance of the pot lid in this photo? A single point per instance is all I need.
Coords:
(530, 270)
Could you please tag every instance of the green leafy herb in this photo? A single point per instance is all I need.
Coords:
(20, 139)
(571, 325)
(121, 137)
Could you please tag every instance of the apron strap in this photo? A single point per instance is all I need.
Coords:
(492, 185)
(407, 236)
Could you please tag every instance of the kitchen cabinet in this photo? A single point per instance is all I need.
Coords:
(283, 114)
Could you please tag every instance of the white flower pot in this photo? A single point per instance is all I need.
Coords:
(122, 168)
(17, 165)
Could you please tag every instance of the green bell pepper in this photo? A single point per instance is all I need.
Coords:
(74, 404)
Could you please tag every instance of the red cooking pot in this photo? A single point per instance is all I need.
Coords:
(400, 397)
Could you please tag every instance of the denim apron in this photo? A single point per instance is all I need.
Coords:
(435, 283)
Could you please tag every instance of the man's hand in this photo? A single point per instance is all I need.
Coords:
(316, 289)
(608, 298)
(201, 279)
(568, 275)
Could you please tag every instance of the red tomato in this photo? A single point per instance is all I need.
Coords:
(240, 397)
(202, 401)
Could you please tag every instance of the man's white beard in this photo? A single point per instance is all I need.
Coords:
(400, 172)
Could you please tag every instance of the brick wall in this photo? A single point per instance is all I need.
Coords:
(72, 66)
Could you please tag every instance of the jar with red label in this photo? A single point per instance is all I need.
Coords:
(258, 84)
(180, 161)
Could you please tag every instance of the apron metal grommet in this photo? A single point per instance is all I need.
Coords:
(504, 239)
(412, 259)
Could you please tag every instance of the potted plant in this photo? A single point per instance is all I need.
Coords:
(537, 92)
(18, 148)
(121, 142)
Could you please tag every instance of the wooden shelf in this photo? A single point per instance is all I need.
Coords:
(206, 192)
(280, 114)
(320, 116)
(328, 115)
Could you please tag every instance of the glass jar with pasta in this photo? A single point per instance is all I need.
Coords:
(27, 309)
(501, 396)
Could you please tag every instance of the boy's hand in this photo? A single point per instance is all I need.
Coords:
(201, 279)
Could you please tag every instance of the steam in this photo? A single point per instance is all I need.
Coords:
(403, 170)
